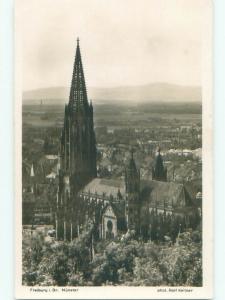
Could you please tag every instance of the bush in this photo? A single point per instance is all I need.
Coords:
(182, 264)
(130, 263)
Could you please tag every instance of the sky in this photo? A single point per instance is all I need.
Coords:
(123, 42)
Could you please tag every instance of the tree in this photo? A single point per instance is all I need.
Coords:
(59, 268)
(182, 263)
(147, 272)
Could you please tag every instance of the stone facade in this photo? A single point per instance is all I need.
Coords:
(108, 223)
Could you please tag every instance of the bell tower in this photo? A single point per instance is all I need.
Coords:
(77, 154)
(78, 145)
(159, 172)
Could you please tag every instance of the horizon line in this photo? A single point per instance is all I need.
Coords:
(117, 86)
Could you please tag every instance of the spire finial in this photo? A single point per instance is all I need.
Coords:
(78, 40)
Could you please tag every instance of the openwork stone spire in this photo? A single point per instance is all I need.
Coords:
(159, 172)
(132, 174)
(78, 94)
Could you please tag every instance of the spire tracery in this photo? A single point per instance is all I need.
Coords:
(78, 93)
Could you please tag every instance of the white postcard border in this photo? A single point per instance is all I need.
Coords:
(24, 292)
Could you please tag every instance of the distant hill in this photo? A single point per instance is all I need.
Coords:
(156, 92)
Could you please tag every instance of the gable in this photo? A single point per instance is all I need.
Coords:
(109, 212)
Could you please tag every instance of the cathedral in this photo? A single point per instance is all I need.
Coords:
(111, 205)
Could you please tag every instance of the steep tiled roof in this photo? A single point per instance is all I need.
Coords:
(159, 193)
(170, 194)
(106, 186)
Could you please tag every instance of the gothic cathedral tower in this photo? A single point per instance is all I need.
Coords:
(77, 153)
(159, 172)
(132, 181)
(78, 148)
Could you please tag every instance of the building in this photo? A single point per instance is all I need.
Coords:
(37, 207)
(77, 153)
(108, 229)
(111, 205)
(159, 172)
